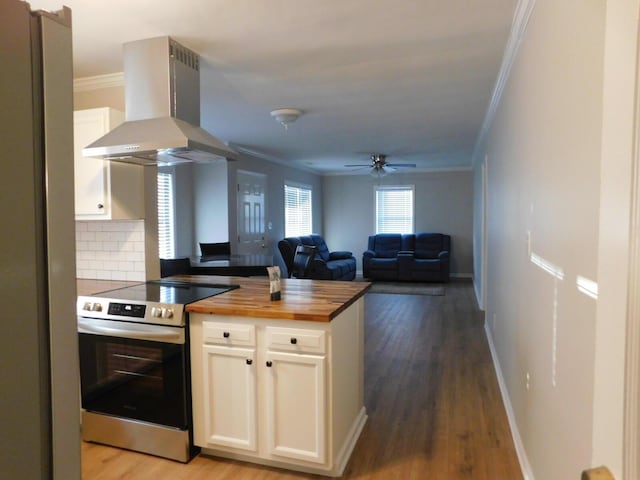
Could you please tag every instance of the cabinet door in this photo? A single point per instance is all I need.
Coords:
(230, 396)
(92, 179)
(90, 175)
(296, 405)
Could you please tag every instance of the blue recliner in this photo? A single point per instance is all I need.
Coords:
(326, 265)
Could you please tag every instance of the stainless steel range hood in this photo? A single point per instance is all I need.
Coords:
(162, 109)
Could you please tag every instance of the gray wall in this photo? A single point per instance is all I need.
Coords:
(443, 204)
(201, 193)
(210, 196)
(184, 204)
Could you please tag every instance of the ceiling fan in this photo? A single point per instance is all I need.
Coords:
(379, 166)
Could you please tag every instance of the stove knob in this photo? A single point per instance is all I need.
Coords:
(156, 312)
(87, 306)
(167, 313)
(97, 307)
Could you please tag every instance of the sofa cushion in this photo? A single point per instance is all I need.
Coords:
(426, 264)
(386, 253)
(430, 242)
(340, 255)
(384, 263)
(426, 253)
(387, 245)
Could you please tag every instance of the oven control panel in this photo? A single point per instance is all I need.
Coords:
(116, 309)
(127, 309)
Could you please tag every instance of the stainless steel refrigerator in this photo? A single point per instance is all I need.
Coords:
(39, 400)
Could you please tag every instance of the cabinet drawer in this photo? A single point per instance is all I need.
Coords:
(295, 340)
(218, 333)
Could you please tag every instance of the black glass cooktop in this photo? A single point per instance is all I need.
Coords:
(177, 293)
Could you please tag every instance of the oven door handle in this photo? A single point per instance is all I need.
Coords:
(135, 331)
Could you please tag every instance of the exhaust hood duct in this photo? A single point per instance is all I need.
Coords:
(162, 109)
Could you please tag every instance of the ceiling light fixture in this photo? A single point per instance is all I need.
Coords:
(286, 116)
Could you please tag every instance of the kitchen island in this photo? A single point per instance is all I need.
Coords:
(279, 383)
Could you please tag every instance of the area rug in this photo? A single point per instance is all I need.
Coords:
(404, 288)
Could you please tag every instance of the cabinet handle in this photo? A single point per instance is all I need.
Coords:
(100, 206)
(225, 334)
(294, 340)
(249, 361)
(269, 363)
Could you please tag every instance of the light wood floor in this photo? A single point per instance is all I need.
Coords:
(431, 393)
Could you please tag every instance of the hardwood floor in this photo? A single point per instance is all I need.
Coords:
(435, 410)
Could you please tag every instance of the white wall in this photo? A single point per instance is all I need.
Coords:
(443, 204)
(544, 163)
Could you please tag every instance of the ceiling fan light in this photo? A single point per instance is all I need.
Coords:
(378, 172)
(286, 116)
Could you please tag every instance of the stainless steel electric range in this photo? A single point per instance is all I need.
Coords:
(134, 367)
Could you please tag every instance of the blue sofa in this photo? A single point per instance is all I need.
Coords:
(418, 257)
(326, 265)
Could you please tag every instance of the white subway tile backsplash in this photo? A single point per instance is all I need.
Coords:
(135, 276)
(110, 250)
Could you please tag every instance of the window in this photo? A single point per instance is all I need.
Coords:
(166, 217)
(297, 211)
(394, 209)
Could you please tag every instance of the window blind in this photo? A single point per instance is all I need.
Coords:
(394, 209)
(166, 244)
(297, 211)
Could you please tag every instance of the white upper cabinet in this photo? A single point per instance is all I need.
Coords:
(104, 190)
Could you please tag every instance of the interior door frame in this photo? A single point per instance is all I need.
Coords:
(631, 440)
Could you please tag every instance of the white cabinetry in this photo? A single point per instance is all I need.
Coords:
(104, 190)
(229, 385)
(295, 393)
(271, 392)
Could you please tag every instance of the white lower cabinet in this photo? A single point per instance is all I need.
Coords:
(269, 393)
(229, 396)
(295, 398)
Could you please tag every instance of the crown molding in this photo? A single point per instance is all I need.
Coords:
(270, 158)
(97, 82)
(521, 16)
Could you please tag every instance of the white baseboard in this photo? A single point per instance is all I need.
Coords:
(527, 473)
(478, 294)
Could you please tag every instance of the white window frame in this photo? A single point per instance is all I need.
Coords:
(304, 222)
(409, 227)
(167, 246)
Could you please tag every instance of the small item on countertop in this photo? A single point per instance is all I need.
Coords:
(274, 282)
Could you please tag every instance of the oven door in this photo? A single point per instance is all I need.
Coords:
(135, 371)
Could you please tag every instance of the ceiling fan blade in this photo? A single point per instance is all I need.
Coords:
(359, 165)
(403, 165)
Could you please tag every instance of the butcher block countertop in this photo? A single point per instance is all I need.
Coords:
(310, 300)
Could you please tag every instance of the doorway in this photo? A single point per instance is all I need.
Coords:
(251, 213)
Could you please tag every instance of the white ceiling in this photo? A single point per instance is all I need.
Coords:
(408, 78)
